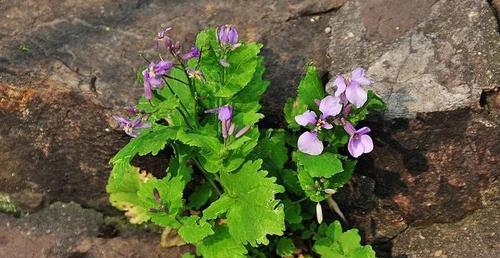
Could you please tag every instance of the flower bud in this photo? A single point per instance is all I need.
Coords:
(227, 35)
(231, 129)
(329, 191)
(194, 52)
(319, 213)
(243, 131)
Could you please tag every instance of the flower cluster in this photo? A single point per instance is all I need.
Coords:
(348, 92)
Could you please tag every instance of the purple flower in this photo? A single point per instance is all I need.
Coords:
(225, 114)
(131, 127)
(153, 76)
(227, 35)
(351, 86)
(194, 52)
(164, 41)
(308, 142)
(359, 142)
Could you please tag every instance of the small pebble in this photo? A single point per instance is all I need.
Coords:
(328, 30)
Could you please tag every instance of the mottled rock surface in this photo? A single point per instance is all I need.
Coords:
(67, 230)
(424, 56)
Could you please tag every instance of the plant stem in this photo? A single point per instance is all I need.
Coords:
(204, 172)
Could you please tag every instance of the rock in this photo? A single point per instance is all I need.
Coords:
(437, 168)
(424, 56)
(68, 230)
(48, 233)
(478, 235)
(66, 67)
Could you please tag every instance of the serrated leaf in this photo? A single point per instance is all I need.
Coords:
(324, 165)
(249, 203)
(293, 108)
(194, 230)
(221, 245)
(340, 179)
(331, 242)
(291, 182)
(149, 141)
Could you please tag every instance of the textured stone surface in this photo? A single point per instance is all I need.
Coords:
(67, 230)
(479, 233)
(424, 56)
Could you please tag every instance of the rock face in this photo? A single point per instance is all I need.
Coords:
(436, 64)
(424, 56)
(67, 230)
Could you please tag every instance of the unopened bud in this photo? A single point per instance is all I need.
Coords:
(243, 131)
(156, 195)
(231, 129)
(329, 191)
(319, 213)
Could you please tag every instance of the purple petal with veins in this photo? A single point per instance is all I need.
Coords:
(310, 144)
(330, 106)
(306, 118)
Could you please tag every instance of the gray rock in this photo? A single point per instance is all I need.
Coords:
(424, 56)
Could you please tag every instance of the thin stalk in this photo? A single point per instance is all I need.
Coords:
(203, 171)
(175, 79)
(175, 95)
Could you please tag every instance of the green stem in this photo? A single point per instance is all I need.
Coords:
(204, 172)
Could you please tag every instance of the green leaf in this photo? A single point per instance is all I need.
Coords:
(292, 212)
(200, 196)
(331, 242)
(248, 99)
(243, 62)
(373, 102)
(309, 90)
(272, 150)
(311, 187)
(221, 245)
(285, 247)
(149, 141)
(122, 188)
(188, 255)
(194, 230)
(324, 165)
(249, 203)
(291, 182)
(340, 179)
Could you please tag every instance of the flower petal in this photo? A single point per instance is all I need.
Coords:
(348, 127)
(148, 92)
(327, 126)
(310, 144)
(225, 113)
(363, 130)
(358, 75)
(355, 147)
(367, 142)
(306, 118)
(330, 106)
(340, 82)
(355, 94)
